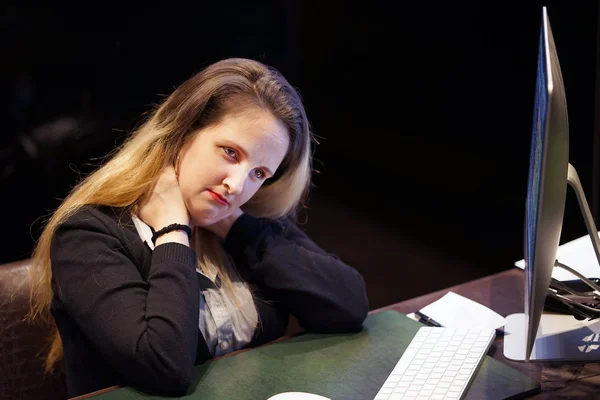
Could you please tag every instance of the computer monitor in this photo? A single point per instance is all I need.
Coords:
(536, 334)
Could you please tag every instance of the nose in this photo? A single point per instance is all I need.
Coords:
(235, 180)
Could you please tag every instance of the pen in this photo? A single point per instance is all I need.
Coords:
(426, 320)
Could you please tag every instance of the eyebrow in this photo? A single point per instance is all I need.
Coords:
(245, 153)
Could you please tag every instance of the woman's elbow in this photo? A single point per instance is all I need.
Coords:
(181, 380)
(171, 382)
(354, 318)
(163, 376)
(338, 320)
(355, 311)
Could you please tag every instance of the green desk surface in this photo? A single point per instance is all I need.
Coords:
(341, 367)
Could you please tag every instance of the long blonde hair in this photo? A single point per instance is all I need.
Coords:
(133, 169)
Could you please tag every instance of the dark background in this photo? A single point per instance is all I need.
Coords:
(424, 113)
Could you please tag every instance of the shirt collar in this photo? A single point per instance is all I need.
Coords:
(143, 230)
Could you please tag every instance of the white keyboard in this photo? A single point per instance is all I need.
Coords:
(439, 363)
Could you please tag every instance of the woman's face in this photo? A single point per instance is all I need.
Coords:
(225, 164)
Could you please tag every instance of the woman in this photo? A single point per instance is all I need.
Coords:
(183, 247)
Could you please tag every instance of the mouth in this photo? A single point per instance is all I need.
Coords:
(218, 198)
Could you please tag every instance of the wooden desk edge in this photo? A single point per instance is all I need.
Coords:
(96, 393)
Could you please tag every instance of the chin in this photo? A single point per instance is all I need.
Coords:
(202, 222)
(206, 220)
(204, 215)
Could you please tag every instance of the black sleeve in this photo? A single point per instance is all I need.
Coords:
(148, 331)
(320, 290)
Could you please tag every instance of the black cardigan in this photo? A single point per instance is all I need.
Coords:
(129, 316)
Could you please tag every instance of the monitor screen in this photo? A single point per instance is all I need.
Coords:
(562, 333)
(547, 180)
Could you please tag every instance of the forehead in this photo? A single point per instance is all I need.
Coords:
(258, 132)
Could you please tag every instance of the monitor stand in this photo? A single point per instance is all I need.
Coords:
(560, 337)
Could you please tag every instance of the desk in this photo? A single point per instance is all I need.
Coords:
(345, 366)
(504, 293)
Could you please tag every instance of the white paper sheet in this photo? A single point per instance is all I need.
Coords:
(456, 311)
(578, 254)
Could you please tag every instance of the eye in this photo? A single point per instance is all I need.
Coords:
(230, 152)
(259, 173)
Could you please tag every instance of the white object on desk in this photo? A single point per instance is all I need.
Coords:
(456, 311)
(578, 254)
(560, 337)
(297, 396)
(439, 363)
